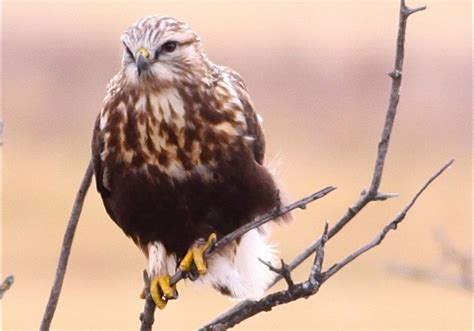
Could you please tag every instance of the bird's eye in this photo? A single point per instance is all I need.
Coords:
(169, 46)
(129, 52)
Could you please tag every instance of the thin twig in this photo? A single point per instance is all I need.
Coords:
(319, 256)
(372, 194)
(396, 76)
(6, 284)
(283, 271)
(66, 249)
(146, 317)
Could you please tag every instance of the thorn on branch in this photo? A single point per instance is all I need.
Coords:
(395, 74)
(283, 271)
(384, 196)
(351, 211)
(408, 11)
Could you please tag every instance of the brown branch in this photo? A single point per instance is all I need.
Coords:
(316, 277)
(372, 194)
(147, 318)
(5, 285)
(66, 249)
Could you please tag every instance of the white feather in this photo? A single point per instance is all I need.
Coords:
(159, 262)
(242, 274)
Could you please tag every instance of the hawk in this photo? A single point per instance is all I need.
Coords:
(178, 155)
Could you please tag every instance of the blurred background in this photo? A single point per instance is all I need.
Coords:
(316, 73)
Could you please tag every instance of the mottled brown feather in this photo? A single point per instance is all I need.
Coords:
(221, 182)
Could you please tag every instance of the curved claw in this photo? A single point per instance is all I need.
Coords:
(161, 291)
(196, 255)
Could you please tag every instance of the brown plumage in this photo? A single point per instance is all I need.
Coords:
(178, 154)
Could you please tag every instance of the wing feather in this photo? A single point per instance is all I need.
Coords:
(254, 129)
(102, 175)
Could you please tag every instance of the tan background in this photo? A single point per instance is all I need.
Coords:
(316, 71)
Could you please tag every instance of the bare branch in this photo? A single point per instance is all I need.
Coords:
(6, 284)
(319, 256)
(283, 271)
(372, 194)
(294, 292)
(316, 278)
(391, 226)
(146, 317)
(396, 76)
(66, 249)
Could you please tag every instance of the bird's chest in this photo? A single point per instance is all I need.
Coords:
(173, 134)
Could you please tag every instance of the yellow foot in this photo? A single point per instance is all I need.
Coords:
(196, 255)
(161, 291)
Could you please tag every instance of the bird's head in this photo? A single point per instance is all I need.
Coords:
(162, 51)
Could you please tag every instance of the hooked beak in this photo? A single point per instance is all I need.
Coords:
(142, 59)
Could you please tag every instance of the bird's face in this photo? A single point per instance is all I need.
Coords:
(161, 52)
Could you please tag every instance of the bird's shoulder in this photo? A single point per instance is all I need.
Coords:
(231, 76)
(238, 90)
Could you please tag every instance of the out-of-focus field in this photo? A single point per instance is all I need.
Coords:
(316, 72)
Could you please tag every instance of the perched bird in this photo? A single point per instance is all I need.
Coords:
(178, 155)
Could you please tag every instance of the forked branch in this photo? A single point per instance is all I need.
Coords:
(316, 277)
(372, 194)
